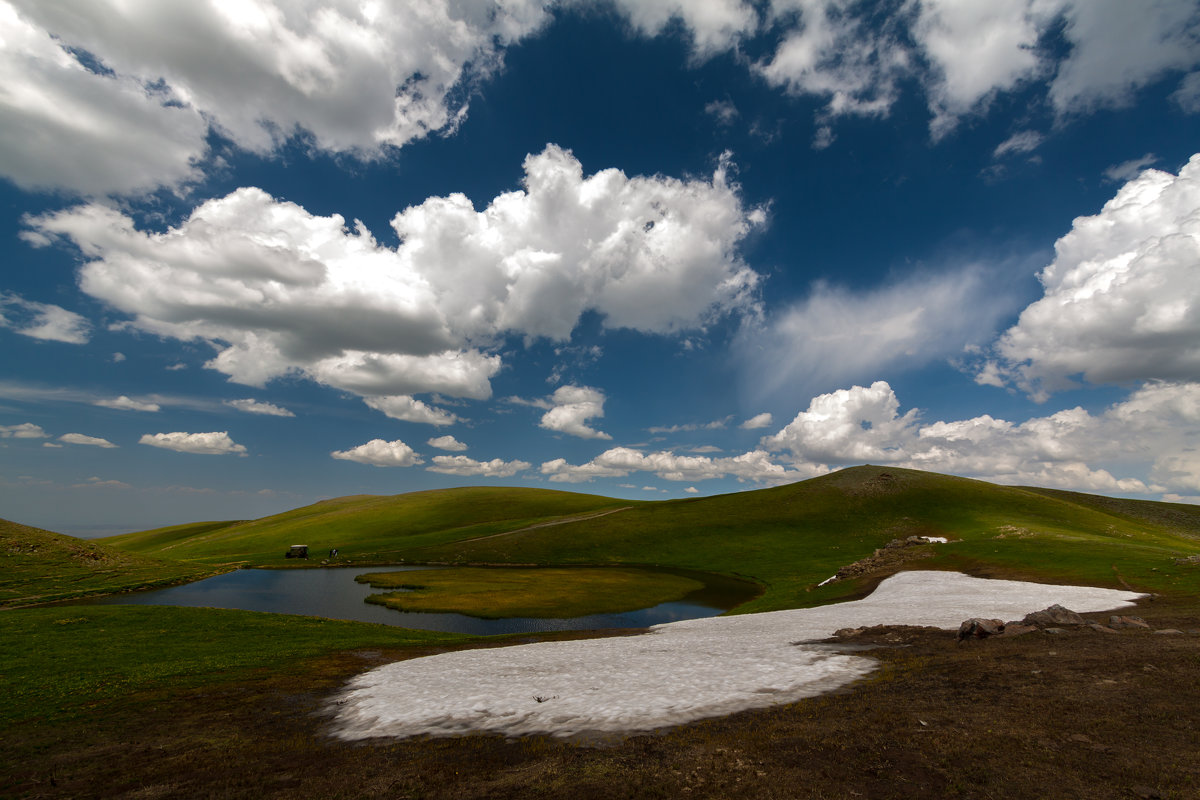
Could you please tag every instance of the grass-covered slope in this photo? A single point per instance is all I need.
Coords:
(788, 538)
(38, 566)
(367, 527)
(792, 537)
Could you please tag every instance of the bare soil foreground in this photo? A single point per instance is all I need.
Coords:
(1077, 714)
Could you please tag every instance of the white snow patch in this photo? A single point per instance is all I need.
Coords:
(678, 672)
(935, 539)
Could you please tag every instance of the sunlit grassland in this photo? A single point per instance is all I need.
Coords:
(367, 527)
(539, 592)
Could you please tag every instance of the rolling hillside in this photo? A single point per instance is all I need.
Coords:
(367, 527)
(38, 566)
(788, 538)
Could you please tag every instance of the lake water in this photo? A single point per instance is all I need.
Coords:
(333, 592)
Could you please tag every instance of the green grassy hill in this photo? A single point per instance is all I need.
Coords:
(367, 527)
(38, 566)
(787, 538)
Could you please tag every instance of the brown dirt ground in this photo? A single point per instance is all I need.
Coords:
(1082, 714)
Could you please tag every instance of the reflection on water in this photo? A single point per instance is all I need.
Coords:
(333, 592)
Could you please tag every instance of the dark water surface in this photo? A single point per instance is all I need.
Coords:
(333, 592)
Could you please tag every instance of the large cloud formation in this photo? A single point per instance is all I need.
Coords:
(118, 97)
(1122, 297)
(349, 76)
(1155, 430)
(277, 290)
(967, 53)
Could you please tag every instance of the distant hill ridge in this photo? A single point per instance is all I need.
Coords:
(788, 538)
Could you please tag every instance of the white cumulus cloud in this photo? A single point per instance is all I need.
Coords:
(465, 466)
(1122, 297)
(713, 25)
(351, 77)
(405, 407)
(447, 443)
(63, 126)
(79, 438)
(26, 430)
(762, 420)
(214, 443)
(570, 409)
(252, 406)
(1152, 438)
(857, 59)
(756, 466)
(380, 453)
(278, 291)
(1119, 47)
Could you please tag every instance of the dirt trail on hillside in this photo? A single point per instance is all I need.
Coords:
(549, 524)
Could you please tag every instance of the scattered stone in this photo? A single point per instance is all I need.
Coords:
(979, 628)
(1100, 628)
(1055, 631)
(1170, 631)
(1018, 629)
(844, 633)
(889, 557)
(1054, 615)
(1119, 622)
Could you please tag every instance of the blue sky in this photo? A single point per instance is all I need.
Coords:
(262, 253)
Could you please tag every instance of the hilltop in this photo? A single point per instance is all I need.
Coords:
(788, 538)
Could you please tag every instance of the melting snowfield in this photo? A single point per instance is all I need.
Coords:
(678, 672)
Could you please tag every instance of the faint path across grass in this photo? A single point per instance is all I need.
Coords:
(551, 523)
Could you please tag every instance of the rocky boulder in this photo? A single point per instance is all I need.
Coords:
(1054, 616)
(979, 628)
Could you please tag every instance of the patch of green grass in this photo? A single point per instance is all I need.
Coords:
(55, 662)
(540, 592)
(38, 566)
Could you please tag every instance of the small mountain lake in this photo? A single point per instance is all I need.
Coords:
(333, 592)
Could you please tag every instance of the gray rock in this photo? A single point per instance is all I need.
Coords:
(1127, 622)
(1054, 615)
(979, 628)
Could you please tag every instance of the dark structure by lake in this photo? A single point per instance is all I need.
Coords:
(333, 592)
